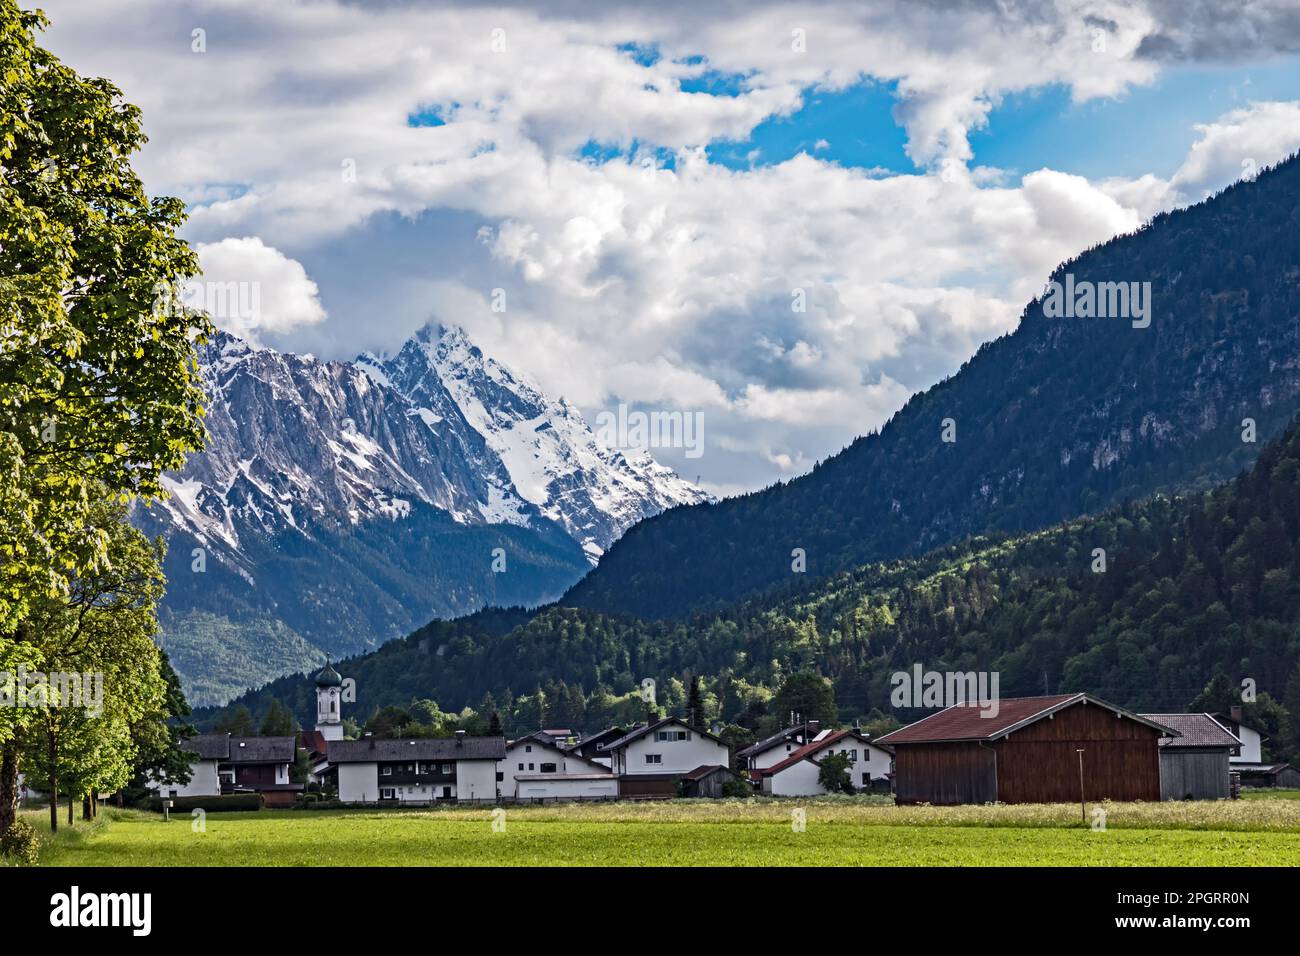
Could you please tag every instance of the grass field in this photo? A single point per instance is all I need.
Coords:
(839, 832)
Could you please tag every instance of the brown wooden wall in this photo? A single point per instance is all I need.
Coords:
(944, 773)
(630, 786)
(1040, 763)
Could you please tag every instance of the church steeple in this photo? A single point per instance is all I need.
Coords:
(329, 703)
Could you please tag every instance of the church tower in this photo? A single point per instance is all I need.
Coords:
(329, 704)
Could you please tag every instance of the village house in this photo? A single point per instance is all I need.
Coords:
(772, 750)
(1031, 751)
(592, 747)
(797, 775)
(540, 766)
(423, 770)
(652, 760)
(1195, 764)
(1248, 760)
(227, 764)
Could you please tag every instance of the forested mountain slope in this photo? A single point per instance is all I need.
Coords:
(1062, 417)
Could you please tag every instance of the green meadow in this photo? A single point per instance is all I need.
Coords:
(834, 832)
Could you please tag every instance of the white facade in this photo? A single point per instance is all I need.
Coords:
(359, 782)
(797, 780)
(578, 786)
(1251, 746)
(866, 762)
(203, 782)
(476, 780)
(773, 755)
(529, 755)
(671, 748)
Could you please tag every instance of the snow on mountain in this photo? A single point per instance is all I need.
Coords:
(553, 459)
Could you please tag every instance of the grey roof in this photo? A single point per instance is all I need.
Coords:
(642, 731)
(208, 746)
(767, 743)
(227, 747)
(422, 748)
(1196, 730)
(262, 749)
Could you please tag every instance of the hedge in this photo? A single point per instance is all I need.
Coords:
(227, 801)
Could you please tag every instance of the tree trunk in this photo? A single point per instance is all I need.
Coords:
(69, 809)
(94, 804)
(85, 807)
(51, 754)
(8, 785)
(121, 800)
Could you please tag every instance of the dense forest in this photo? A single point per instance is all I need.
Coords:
(1145, 605)
(1059, 418)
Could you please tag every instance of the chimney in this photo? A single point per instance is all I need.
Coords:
(1235, 713)
(370, 737)
(460, 738)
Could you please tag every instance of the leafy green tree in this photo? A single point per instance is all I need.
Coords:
(160, 756)
(833, 774)
(807, 694)
(99, 387)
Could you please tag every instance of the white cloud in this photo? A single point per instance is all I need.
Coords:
(656, 287)
(250, 288)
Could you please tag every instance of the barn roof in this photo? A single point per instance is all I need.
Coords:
(967, 721)
(1196, 730)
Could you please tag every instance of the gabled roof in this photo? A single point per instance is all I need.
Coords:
(422, 748)
(542, 737)
(776, 740)
(208, 746)
(1196, 730)
(704, 770)
(642, 731)
(599, 738)
(314, 741)
(963, 722)
(242, 749)
(262, 749)
(807, 751)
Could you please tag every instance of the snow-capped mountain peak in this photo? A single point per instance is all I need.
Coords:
(554, 460)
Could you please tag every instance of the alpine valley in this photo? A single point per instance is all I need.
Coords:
(340, 504)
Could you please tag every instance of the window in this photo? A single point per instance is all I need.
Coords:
(332, 705)
(388, 771)
(853, 756)
(521, 766)
(446, 768)
(528, 748)
(500, 776)
(548, 768)
(654, 758)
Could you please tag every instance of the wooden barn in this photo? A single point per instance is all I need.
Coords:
(1028, 752)
(1195, 764)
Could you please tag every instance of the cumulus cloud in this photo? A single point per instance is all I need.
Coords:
(250, 289)
(419, 156)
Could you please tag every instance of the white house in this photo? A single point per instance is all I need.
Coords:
(1251, 750)
(423, 770)
(227, 764)
(652, 759)
(539, 766)
(796, 775)
(772, 750)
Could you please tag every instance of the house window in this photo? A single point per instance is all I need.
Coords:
(446, 768)
(654, 758)
(530, 766)
(500, 776)
(548, 768)
(388, 771)
(528, 748)
(853, 756)
(521, 766)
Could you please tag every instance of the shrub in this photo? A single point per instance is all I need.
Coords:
(227, 801)
(20, 844)
(737, 788)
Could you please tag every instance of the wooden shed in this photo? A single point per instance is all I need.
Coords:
(1027, 751)
(1195, 764)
